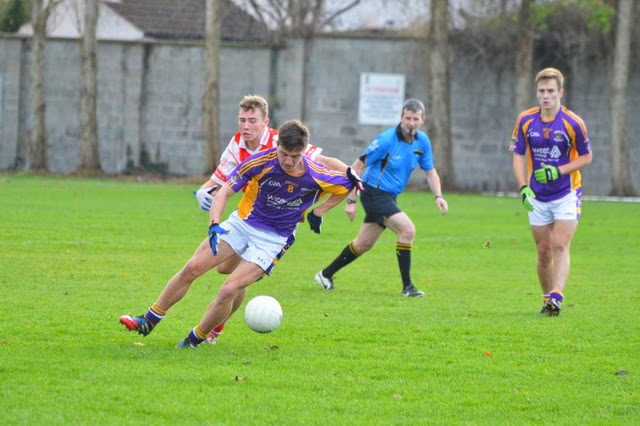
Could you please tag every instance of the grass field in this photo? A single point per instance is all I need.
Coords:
(75, 254)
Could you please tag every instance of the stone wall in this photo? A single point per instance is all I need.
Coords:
(150, 103)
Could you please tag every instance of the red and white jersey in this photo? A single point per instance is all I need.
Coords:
(236, 152)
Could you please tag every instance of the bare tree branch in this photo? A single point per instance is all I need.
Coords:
(329, 20)
(297, 17)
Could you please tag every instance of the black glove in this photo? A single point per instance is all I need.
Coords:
(315, 222)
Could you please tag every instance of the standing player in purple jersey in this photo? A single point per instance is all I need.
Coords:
(282, 184)
(557, 146)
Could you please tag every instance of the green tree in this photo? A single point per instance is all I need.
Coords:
(13, 13)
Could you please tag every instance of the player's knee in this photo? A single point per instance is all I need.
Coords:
(193, 269)
(545, 254)
(407, 235)
(559, 249)
(406, 232)
(360, 248)
(229, 290)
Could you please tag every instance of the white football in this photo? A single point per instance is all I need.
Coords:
(263, 314)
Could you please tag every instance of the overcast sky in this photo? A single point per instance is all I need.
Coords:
(391, 14)
(382, 13)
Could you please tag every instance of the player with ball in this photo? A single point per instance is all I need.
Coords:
(281, 184)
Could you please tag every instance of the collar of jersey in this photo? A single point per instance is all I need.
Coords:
(401, 138)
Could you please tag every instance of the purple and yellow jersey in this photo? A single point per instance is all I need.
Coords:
(275, 200)
(555, 143)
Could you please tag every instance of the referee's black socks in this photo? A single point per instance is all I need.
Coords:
(347, 256)
(403, 251)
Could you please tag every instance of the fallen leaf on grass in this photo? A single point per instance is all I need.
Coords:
(239, 378)
(622, 373)
(273, 348)
(326, 315)
(143, 352)
(138, 343)
(246, 362)
(487, 244)
(488, 353)
(517, 389)
(395, 395)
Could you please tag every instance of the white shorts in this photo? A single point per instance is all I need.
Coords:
(252, 244)
(547, 212)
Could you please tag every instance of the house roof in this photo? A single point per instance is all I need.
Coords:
(185, 19)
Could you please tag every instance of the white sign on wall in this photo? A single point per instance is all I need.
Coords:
(381, 98)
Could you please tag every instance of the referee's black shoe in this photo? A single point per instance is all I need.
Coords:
(411, 291)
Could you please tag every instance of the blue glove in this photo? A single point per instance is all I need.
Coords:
(215, 230)
(315, 222)
(355, 179)
(547, 173)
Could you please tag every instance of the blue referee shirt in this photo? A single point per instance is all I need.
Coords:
(390, 159)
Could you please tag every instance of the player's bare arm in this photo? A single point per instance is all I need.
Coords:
(576, 164)
(331, 163)
(217, 209)
(433, 179)
(520, 169)
(332, 201)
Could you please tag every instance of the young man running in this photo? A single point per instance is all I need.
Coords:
(281, 184)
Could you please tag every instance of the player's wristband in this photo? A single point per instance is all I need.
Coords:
(438, 196)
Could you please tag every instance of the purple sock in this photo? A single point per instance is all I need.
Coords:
(153, 317)
(193, 337)
(557, 296)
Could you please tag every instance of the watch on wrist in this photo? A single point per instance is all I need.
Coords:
(351, 201)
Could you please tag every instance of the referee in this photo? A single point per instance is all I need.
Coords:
(389, 161)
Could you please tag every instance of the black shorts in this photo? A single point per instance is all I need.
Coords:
(378, 205)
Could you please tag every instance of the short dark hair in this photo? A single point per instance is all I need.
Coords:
(293, 136)
(413, 105)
